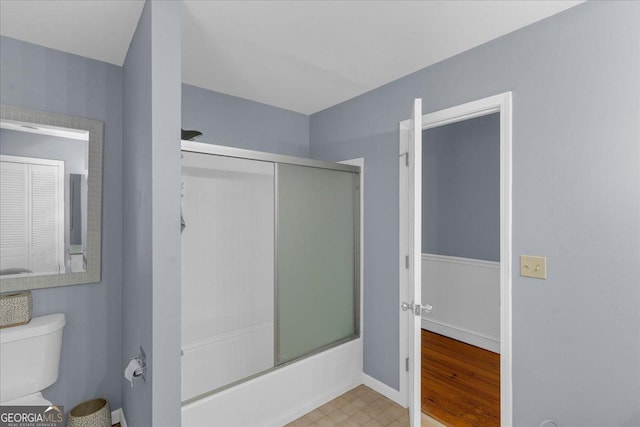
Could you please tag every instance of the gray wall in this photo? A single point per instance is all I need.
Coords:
(166, 177)
(137, 273)
(236, 122)
(43, 79)
(73, 152)
(576, 174)
(461, 189)
(151, 251)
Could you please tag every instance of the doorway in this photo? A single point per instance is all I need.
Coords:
(460, 347)
(411, 250)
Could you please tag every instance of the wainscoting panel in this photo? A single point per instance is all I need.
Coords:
(465, 295)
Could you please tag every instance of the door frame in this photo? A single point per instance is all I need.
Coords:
(501, 103)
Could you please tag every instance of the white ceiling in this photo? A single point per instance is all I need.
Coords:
(303, 56)
(96, 29)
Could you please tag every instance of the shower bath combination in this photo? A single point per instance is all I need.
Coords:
(270, 263)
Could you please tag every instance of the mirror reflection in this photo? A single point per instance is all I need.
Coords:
(43, 199)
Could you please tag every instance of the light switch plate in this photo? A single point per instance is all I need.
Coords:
(533, 266)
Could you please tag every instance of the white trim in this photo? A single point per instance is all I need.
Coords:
(42, 129)
(506, 201)
(117, 416)
(415, 270)
(462, 334)
(383, 389)
(468, 111)
(460, 260)
(30, 160)
(403, 245)
(501, 103)
(220, 150)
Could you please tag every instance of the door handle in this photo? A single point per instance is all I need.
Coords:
(417, 309)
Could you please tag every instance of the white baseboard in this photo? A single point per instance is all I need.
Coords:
(462, 334)
(384, 390)
(117, 416)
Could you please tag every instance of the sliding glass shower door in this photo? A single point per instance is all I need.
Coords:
(227, 271)
(270, 263)
(315, 259)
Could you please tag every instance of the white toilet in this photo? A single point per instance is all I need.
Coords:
(30, 359)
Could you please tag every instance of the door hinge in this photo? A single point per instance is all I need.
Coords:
(406, 364)
(406, 261)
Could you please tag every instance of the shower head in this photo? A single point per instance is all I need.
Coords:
(190, 135)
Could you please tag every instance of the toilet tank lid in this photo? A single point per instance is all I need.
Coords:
(37, 326)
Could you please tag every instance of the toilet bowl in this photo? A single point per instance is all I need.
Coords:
(30, 360)
(35, 399)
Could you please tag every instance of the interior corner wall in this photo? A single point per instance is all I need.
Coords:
(137, 274)
(166, 178)
(576, 174)
(44, 79)
(240, 123)
(151, 243)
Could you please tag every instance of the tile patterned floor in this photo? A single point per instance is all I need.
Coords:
(360, 406)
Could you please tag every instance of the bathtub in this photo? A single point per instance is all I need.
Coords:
(282, 395)
(237, 355)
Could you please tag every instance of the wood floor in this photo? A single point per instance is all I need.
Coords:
(460, 382)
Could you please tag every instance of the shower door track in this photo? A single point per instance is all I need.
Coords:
(241, 153)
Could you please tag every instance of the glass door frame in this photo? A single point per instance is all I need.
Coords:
(225, 151)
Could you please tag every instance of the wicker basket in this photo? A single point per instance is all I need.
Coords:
(92, 413)
(15, 309)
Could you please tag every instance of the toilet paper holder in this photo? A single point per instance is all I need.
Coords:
(142, 370)
(136, 368)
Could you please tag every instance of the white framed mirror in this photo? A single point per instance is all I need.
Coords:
(50, 199)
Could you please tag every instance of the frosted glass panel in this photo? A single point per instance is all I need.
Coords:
(227, 271)
(315, 258)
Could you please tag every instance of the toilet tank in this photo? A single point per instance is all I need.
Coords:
(30, 356)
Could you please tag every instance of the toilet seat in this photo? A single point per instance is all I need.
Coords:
(35, 399)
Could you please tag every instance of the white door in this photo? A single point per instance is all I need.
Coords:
(32, 214)
(410, 240)
(410, 192)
